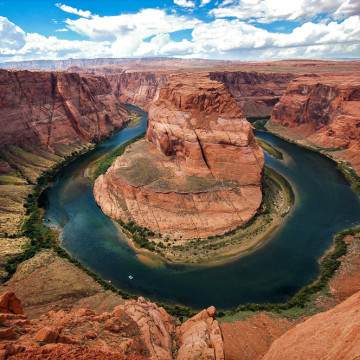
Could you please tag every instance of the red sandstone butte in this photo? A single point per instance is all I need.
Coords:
(198, 173)
(46, 109)
(324, 112)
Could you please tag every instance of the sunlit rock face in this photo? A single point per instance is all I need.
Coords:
(326, 112)
(199, 171)
(48, 109)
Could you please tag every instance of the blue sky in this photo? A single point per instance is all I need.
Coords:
(217, 29)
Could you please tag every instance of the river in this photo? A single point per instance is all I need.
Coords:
(325, 204)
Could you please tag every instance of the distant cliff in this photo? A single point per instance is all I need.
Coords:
(324, 112)
(47, 109)
(137, 88)
(255, 92)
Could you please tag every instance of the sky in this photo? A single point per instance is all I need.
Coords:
(211, 29)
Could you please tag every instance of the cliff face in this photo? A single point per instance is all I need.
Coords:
(323, 112)
(46, 109)
(136, 330)
(198, 122)
(199, 172)
(255, 92)
(137, 88)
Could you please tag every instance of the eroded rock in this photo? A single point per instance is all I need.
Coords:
(199, 172)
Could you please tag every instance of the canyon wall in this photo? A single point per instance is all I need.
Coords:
(47, 109)
(198, 173)
(323, 112)
(137, 88)
(255, 92)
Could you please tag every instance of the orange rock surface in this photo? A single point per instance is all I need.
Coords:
(334, 334)
(134, 331)
(248, 339)
(199, 172)
(48, 109)
(325, 112)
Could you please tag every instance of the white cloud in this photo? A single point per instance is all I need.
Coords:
(128, 31)
(239, 40)
(162, 45)
(128, 35)
(204, 2)
(185, 3)
(267, 11)
(347, 8)
(40, 47)
(71, 10)
(62, 30)
(11, 36)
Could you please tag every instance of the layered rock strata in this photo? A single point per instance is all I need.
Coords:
(137, 88)
(323, 112)
(50, 109)
(256, 93)
(198, 173)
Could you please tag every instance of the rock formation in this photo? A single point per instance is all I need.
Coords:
(135, 331)
(333, 335)
(323, 112)
(50, 109)
(256, 93)
(137, 88)
(199, 171)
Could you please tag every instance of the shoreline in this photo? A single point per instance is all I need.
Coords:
(171, 308)
(249, 239)
(349, 173)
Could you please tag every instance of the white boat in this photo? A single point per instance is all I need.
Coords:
(130, 277)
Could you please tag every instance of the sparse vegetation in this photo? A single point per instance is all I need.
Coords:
(270, 149)
(260, 125)
(134, 120)
(330, 263)
(108, 159)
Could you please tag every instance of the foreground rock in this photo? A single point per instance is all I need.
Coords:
(199, 171)
(323, 112)
(136, 330)
(52, 109)
(333, 335)
(251, 338)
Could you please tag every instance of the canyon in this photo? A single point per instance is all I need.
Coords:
(48, 115)
(52, 110)
(198, 172)
(44, 117)
(323, 113)
(255, 92)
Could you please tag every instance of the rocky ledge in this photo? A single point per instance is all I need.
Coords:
(199, 171)
(137, 330)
